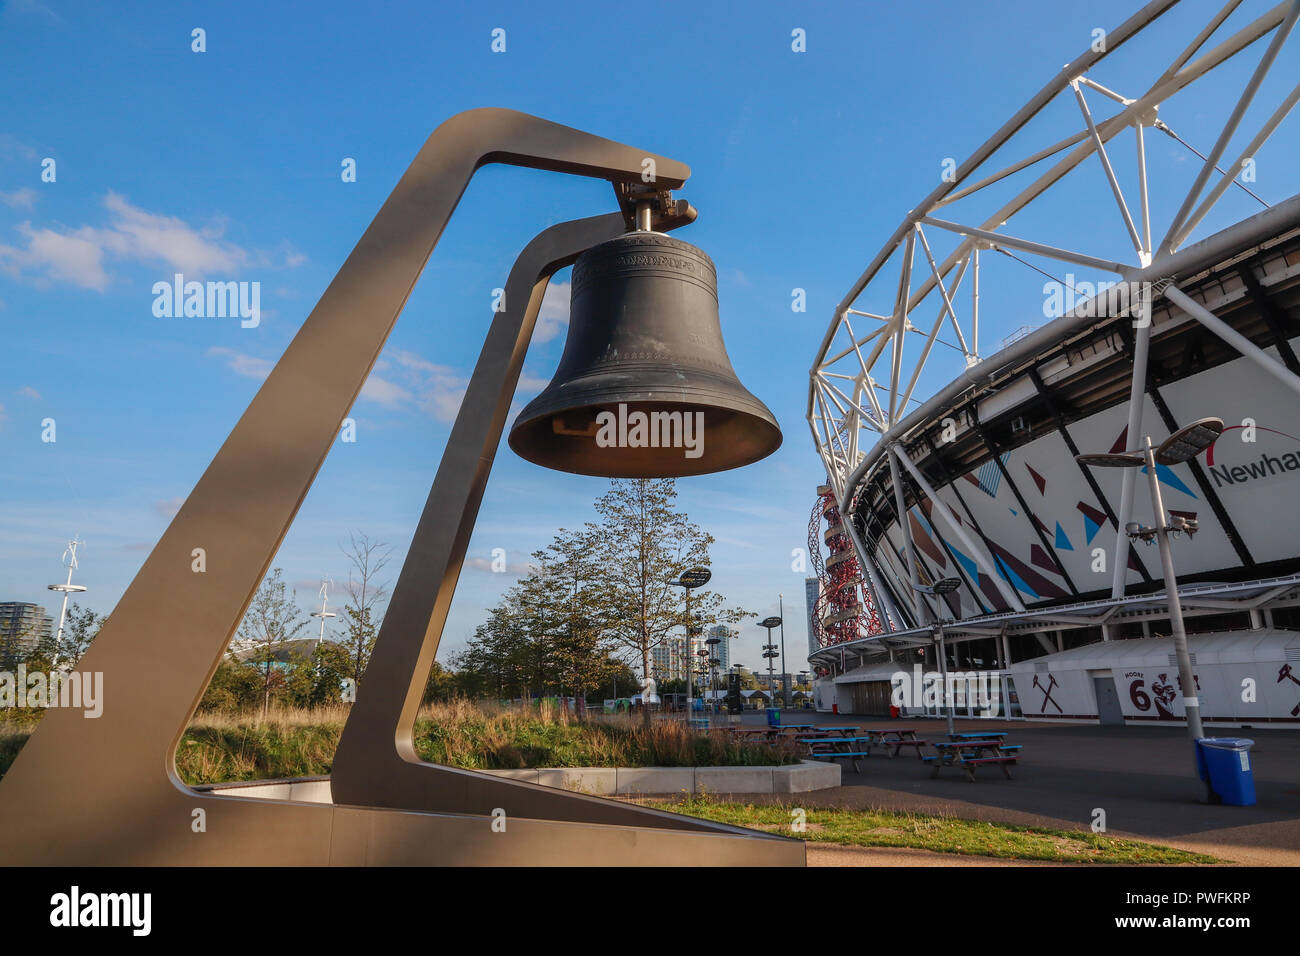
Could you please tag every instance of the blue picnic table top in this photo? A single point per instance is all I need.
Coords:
(982, 736)
(838, 740)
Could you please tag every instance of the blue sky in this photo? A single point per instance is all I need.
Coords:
(226, 164)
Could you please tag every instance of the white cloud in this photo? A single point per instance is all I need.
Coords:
(385, 392)
(133, 235)
(168, 507)
(553, 317)
(434, 389)
(75, 257)
(28, 392)
(19, 199)
(408, 382)
(249, 366)
(17, 9)
(529, 384)
(165, 239)
(512, 569)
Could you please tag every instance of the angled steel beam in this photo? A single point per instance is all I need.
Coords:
(1059, 420)
(1181, 225)
(1208, 493)
(1027, 245)
(1234, 338)
(1128, 486)
(977, 551)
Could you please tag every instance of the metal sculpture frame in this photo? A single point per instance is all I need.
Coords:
(106, 791)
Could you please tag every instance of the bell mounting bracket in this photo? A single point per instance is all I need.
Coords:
(665, 212)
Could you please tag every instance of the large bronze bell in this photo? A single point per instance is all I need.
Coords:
(645, 388)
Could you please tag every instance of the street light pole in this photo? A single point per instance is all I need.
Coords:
(1183, 445)
(1191, 696)
(785, 674)
(940, 588)
(943, 675)
(693, 578)
(769, 651)
(686, 656)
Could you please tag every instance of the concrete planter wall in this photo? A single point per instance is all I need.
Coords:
(606, 781)
(603, 781)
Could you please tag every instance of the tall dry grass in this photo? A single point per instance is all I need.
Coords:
(299, 742)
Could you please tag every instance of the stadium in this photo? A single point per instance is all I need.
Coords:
(964, 523)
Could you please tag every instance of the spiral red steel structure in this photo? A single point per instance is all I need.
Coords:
(844, 610)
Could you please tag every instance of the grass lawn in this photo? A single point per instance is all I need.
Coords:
(868, 828)
(219, 748)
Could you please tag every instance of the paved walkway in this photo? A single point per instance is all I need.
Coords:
(1144, 778)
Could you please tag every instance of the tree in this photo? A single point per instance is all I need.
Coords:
(318, 680)
(361, 613)
(441, 685)
(569, 585)
(18, 643)
(79, 629)
(498, 653)
(236, 686)
(643, 544)
(272, 619)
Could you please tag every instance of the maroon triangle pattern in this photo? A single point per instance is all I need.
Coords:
(1039, 557)
(1039, 480)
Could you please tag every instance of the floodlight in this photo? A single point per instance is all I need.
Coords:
(1117, 460)
(1189, 441)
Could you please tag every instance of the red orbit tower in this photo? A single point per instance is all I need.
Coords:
(844, 610)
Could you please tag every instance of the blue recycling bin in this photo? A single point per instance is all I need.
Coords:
(773, 717)
(1224, 763)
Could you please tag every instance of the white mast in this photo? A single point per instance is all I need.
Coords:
(69, 562)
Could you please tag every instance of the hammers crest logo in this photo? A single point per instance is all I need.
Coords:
(1286, 674)
(1047, 693)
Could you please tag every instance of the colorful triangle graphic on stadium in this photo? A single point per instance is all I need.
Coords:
(1093, 519)
(1039, 480)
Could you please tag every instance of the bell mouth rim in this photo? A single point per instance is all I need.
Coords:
(537, 439)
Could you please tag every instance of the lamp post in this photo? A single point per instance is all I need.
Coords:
(713, 674)
(70, 562)
(785, 674)
(692, 578)
(769, 651)
(945, 586)
(323, 613)
(1183, 445)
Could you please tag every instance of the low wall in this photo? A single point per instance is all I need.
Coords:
(603, 781)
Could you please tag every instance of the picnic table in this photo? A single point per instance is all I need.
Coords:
(823, 732)
(769, 733)
(971, 752)
(895, 737)
(986, 735)
(836, 748)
